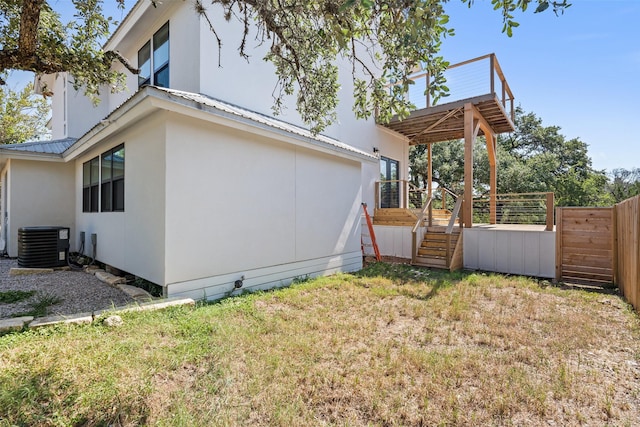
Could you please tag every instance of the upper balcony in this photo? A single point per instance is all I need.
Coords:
(478, 81)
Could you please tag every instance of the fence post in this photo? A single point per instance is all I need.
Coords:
(614, 221)
(377, 196)
(559, 245)
(550, 201)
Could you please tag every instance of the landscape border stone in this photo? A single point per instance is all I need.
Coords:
(28, 322)
(14, 324)
(21, 271)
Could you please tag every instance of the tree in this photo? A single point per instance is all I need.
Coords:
(384, 40)
(625, 183)
(533, 158)
(23, 116)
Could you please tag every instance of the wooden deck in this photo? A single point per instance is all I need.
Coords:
(446, 121)
(480, 82)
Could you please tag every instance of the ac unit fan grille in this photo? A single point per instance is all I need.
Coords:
(42, 247)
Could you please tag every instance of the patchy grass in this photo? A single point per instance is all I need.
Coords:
(391, 345)
(9, 297)
(40, 307)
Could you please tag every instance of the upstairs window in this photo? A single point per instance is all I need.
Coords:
(153, 59)
(90, 185)
(113, 180)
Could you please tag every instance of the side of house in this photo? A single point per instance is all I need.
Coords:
(187, 179)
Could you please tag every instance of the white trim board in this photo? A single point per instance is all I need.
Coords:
(216, 287)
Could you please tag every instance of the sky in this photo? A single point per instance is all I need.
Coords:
(579, 71)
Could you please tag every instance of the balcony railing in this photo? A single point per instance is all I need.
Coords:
(467, 79)
(515, 208)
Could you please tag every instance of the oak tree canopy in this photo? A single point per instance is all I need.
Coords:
(383, 40)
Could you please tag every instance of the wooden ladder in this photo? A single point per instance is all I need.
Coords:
(372, 235)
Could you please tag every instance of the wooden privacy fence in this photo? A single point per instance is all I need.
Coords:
(601, 246)
(628, 236)
(585, 245)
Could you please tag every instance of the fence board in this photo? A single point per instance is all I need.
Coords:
(585, 245)
(628, 249)
(587, 213)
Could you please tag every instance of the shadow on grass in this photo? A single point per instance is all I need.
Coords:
(404, 274)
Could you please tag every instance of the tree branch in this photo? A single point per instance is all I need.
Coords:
(29, 23)
(113, 55)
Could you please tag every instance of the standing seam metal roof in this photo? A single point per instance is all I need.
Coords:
(263, 119)
(56, 146)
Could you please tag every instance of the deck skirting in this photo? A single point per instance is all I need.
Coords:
(511, 249)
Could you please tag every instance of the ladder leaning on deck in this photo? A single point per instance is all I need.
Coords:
(372, 235)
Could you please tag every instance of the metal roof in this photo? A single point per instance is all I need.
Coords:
(56, 146)
(235, 110)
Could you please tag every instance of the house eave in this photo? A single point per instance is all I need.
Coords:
(150, 99)
(26, 155)
(210, 114)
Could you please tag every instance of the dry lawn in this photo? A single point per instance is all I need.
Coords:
(391, 346)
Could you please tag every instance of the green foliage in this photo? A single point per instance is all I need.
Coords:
(74, 47)
(23, 115)
(9, 297)
(40, 307)
(624, 184)
(383, 41)
(534, 158)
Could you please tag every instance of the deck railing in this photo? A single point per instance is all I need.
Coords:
(515, 208)
(467, 79)
(399, 193)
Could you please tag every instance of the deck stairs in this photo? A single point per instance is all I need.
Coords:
(441, 245)
(438, 249)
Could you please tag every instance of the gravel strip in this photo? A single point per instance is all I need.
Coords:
(80, 292)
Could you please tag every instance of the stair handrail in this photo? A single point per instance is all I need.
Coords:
(414, 231)
(454, 215)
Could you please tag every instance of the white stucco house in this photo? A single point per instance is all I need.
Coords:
(186, 179)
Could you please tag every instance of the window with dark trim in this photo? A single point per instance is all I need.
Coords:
(390, 188)
(112, 189)
(153, 59)
(90, 185)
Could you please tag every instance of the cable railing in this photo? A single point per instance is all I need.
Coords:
(515, 208)
(467, 79)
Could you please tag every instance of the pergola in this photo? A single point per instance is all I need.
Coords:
(490, 112)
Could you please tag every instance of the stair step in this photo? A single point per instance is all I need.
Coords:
(437, 243)
(431, 262)
(432, 252)
(439, 239)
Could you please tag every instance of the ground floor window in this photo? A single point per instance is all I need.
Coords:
(113, 180)
(389, 183)
(90, 180)
(103, 182)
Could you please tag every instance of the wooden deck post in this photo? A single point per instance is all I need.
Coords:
(429, 171)
(493, 175)
(469, 137)
(405, 194)
(550, 203)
